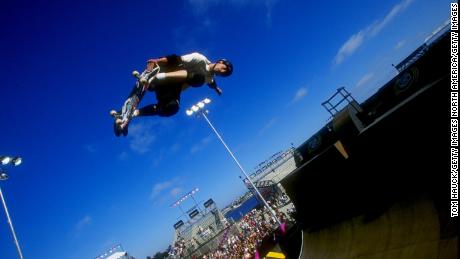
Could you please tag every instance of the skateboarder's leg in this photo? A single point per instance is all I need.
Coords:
(170, 77)
(162, 109)
(149, 110)
(169, 109)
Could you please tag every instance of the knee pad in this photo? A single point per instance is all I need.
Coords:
(169, 108)
(195, 80)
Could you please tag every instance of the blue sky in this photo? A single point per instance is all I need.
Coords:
(65, 64)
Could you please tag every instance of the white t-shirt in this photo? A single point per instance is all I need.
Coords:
(198, 63)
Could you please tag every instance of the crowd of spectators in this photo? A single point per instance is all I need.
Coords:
(179, 248)
(255, 227)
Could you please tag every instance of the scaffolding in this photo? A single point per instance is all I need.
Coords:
(343, 95)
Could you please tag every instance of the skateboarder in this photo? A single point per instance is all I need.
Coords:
(177, 73)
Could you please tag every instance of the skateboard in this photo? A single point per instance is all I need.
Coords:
(122, 119)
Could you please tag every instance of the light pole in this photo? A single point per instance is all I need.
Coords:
(199, 108)
(4, 176)
(183, 198)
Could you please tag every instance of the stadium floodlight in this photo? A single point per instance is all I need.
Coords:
(17, 161)
(200, 107)
(4, 176)
(5, 159)
(197, 107)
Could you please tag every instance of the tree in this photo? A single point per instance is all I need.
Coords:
(160, 255)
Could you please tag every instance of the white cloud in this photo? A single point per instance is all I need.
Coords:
(159, 187)
(268, 125)
(141, 137)
(350, 46)
(176, 191)
(357, 39)
(201, 145)
(162, 187)
(300, 94)
(374, 30)
(444, 25)
(85, 221)
(364, 80)
(400, 44)
(80, 226)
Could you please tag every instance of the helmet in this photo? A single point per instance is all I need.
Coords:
(229, 66)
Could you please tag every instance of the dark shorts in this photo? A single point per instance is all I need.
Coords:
(168, 97)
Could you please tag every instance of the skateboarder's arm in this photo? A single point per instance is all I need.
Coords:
(159, 61)
(171, 60)
(214, 86)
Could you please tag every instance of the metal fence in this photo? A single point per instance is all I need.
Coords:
(214, 242)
